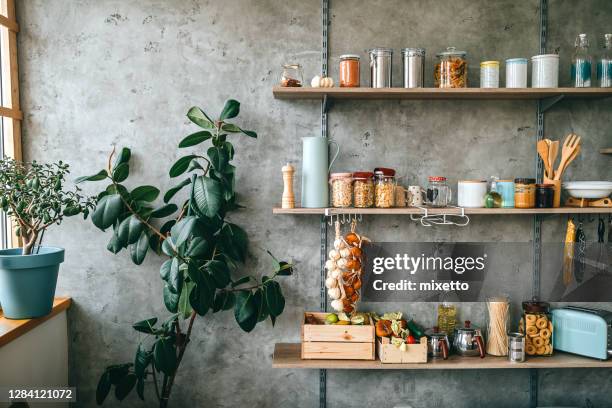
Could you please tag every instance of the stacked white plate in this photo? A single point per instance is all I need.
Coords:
(588, 189)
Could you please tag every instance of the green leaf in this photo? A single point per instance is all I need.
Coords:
(202, 296)
(234, 241)
(182, 230)
(125, 386)
(245, 310)
(115, 245)
(140, 388)
(249, 133)
(194, 165)
(170, 300)
(108, 209)
(262, 306)
(118, 371)
(285, 269)
(223, 301)
(145, 326)
(165, 355)
(164, 270)
(180, 166)
(274, 298)
(208, 196)
(197, 116)
(123, 157)
(101, 175)
(175, 278)
(104, 387)
(230, 110)
(198, 247)
(230, 127)
(129, 230)
(219, 272)
(184, 307)
(170, 193)
(164, 211)
(141, 361)
(195, 138)
(138, 251)
(145, 193)
(241, 281)
(219, 158)
(168, 247)
(121, 172)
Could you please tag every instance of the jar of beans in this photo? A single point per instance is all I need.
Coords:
(363, 189)
(341, 189)
(384, 187)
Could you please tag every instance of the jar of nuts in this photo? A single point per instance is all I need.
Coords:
(341, 189)
(363, 189)
(384, 188)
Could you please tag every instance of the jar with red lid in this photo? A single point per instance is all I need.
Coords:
(384, 187)
(438, 192)
(341, 189)
(349, 70)
(363, 189)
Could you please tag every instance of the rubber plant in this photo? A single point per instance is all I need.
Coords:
(204, 252)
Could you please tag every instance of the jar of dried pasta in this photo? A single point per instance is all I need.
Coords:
(536, 325)
(363, 189)
(451, 70)
(384, 187)
(341, 189)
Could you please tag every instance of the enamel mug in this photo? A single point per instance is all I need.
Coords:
(471, 193)
(416, 196)
(505, 188)
(315, 170)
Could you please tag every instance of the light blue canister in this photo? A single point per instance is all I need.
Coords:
(315, 171)
(505, 188)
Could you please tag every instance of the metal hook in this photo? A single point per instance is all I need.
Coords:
(343, 219)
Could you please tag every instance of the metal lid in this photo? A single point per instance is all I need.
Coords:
(473, 181)
(487, 63)
(516, 61)
(524, 180)
(340, 175)
(411, 52)
(545, 56)
(384, 171)
(467, 327)
(435, 332)
(381, 51)
(436, 178)
(362, 175)
(451, 52)
(295, 66)
(349, 56)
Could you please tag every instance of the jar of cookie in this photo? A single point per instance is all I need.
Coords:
(536, 325)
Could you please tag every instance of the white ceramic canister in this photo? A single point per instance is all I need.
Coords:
(545, 71)
(516, 73)
(471, 193)
(489, 74)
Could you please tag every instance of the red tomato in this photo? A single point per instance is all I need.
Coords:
(410, 339)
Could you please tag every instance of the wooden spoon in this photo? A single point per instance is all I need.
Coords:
(542, 147)
(572, 157)
(553, 150)
(572, 142)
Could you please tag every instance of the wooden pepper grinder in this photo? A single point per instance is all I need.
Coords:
(288, 200)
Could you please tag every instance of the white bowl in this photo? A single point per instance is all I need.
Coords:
(588, 189)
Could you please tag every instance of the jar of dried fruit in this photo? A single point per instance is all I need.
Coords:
(451, 70)
(341, 189)
(363, 189)
(384, 188)
(292, 76)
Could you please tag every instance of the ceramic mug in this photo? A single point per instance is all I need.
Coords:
(416, 196)
(505, 188)
(471, 193)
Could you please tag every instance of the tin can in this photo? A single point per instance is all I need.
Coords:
(489, 74)
(413, 66)
(516, 347)
(545, 71)
(516, 73)
(381, 61)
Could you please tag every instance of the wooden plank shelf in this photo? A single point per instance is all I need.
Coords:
(434, 211)
(287, 355)
(440, 93)
(607, 150)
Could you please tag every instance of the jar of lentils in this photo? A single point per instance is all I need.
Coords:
(363, 189)
(384, 187)
(341, 189)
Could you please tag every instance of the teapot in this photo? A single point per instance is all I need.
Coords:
(437, 343)
(468, 341)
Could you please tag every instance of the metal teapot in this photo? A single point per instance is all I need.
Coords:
(468, 341)
(437, 343)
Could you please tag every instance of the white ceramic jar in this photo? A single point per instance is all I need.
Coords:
(489, 74)
(516, 73)
(545, 71)
(471, 193)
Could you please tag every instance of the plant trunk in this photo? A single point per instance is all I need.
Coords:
(28, 244)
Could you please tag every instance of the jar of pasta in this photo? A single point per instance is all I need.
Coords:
(536, 325)
(384, 187)
(363, 189)
(451, 70)
(341, 189)
(349, 70)
(524, 193)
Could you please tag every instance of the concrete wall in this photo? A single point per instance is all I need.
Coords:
(98, 73)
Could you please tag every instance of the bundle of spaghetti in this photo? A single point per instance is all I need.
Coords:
(499, 314)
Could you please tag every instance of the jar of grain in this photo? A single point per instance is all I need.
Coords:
(349, 70)
(384, 189)
(342, 189)
(363, 189)
(524, 193)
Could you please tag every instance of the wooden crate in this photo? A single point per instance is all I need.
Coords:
(388, 353)
(336, 342)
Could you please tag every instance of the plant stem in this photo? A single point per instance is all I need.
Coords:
(156, 386)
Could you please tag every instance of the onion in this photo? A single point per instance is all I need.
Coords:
(337, 305)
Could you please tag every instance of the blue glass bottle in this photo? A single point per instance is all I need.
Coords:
(581, 63)
(604, 65)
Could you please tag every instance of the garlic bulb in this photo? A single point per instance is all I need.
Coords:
(341, 263)
(316, 81)
(345, 252)
(334, 293)
(336, 273)
(333, 254)
(339, 244)
(330, 265)
(326, 82)
(403, 347)
(337, 305)
(331, 283)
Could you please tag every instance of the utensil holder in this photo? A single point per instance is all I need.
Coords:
(557, 188)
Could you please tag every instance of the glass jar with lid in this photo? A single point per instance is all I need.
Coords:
(363, 189)
(536, 325)
(342, 189)
(524, 193)
(349, 70)
(292, 76)
(451, 70)
(438, 193)
(384, 188)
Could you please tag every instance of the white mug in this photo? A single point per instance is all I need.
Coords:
(471, 193)
(416, 196)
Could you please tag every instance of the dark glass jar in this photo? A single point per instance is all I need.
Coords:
(545, 194)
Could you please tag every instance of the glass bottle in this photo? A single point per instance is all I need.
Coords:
(604, 65)
(581, 63)
(447, 317)
(493, 199)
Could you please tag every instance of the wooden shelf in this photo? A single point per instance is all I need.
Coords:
(287, 355)
(434, 211)
(437, 93)
(606, 150)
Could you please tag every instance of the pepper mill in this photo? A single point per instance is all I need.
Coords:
(288, 200)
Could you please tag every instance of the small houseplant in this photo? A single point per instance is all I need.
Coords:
(204, 253)
(33, 196)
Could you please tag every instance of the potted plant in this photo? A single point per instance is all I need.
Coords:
(33, 196)
(204, 253)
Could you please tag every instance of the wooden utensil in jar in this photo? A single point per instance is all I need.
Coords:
(571, 144)
(542, 148)
(553, 150)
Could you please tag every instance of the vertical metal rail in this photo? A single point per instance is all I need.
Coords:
(323, 292)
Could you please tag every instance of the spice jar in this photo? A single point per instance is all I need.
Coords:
(349, 71)
(545, 194)
(342, 189)
(292, 76)
(451, 71)
(524, 193)
(363, 189)
(536, 325)
(384, 189)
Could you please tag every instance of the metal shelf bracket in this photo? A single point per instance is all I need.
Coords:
(547, 103)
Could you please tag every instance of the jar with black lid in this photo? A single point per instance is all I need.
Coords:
(536, 325)
(545, 194)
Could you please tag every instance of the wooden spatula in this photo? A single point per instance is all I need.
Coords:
(553, 150)
(571, 143)
(542, 147)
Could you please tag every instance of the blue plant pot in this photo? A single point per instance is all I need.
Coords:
(27, 282)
